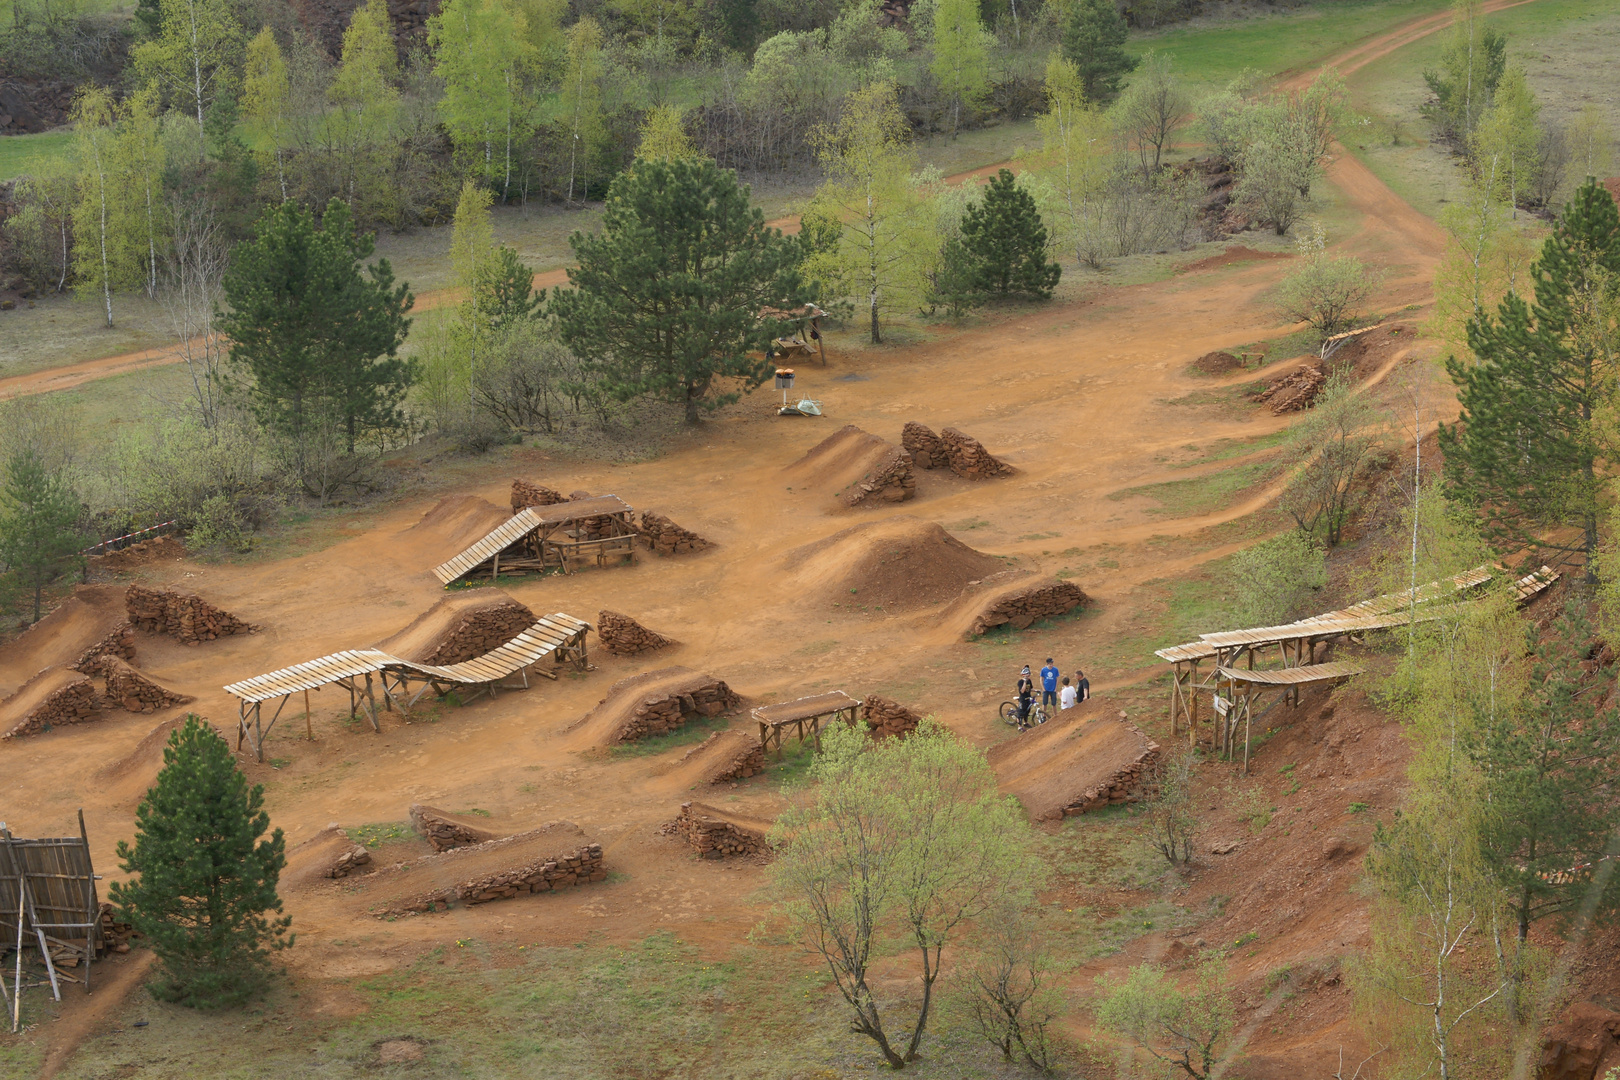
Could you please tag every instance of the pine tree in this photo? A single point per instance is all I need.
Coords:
(204, 890)
(312, 331)
(39, 514)
(673, 295)
(961, 56)
(1526, 451)
(1005, 239)
(1093, 40)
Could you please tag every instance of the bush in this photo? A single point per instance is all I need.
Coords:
(1326, 292)
(1273, 580)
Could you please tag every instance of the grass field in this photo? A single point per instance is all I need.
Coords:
(22, 154)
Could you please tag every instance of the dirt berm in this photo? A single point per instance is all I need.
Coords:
(54, 697)
(327, 855)
(733, 754)
(459, 627)
(445, 830)
(556, 855)
(455, 523)
(88, 623)
(898, 563)
(1066, 765)
(856, 467)
(654, 703)
(1016, 598)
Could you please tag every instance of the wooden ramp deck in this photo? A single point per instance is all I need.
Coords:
(558, 636)
(806, 715)
(538, 524)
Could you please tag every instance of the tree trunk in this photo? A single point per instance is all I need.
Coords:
(877, 338)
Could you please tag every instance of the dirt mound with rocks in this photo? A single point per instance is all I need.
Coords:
(623, 636)
(1013, 598)
(186, 617)
(526, 494)
(158, 549)
(857, 468)
(1295, 391)
(713, 833)
(54, 697)
(327, 856)
(445, 830)
(951, 449)
(898, 563)
(926, 451)
(656, 703)
(664, 537)
(459, 627)
(1069, 766)
(734, 754)
(88, 624)
(888, 719)
(134, 691)
(1217, 363)
(455, 523)
(1584, 1043)
(555, 856)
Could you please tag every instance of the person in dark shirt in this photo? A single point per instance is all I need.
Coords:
(1082, 685)
(1026, 696)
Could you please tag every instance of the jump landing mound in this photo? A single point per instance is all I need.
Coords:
(898, 563)
(733, 754)
(327, 855)
(713, 833)
(455, 523)
(1015, 598)
(91, 622)
(445, 830)
(654, 703)
(555, 856)
(1070, 766)
(459, 627)
(54, 697)
(855, 467)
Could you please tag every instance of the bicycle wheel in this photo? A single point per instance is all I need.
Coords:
(1009, 713)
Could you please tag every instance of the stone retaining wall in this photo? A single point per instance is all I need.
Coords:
(527, 494)
(481, 630)
(72, 703)
(444, 832)
(747, 758)
(891, 480)
(886, 718)
(1133, 783)
(926, 451)
(623, 636)
(659, 715)
(968, 458)
(576, 867)
(119, 643)
(1023, 607)
(713, 836)
(133, 691)
(186, 617)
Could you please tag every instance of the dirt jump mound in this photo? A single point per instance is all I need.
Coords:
(186, 617)
(664, 537)
(898, 564)
(455, 523)
(713, 833)
(623, 636)
(527, 494)
(89, 624)
(888, 719)
(326, 856)
(54, 697)
(857, 468)
(951, 449)
(553, 857)
(656, 703)
(445, 830)
(724, 756)
(1070, 766)
(1012, 598)
(133, 691)
(460, 627)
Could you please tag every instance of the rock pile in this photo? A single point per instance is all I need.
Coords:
(714, 835)
(890, 480)
(1133, 783)
(133, 691)
(186, 617)
(1041, 599)
(527, 494)
(665, 537)
(60, 697)
(115, 935)
(926, 451)
(623, 636)
(158, 549)
(1294, 392)
(737, 753)
(348, 861)
(444, 831)
(119, 643)
(481, 630)
(888, 718)
(667, 708)
(34, 105)
(575, 867)
(968, 458)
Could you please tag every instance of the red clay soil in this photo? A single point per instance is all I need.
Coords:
(898, 564)
(615, 715)
(455, 523)
(159, 549)
(463, 625)
(91, 616)
(839, 461)
(1232, 255)
(1055, 766)
(1217, 363)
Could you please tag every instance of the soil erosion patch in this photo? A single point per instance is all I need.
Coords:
(898, 563)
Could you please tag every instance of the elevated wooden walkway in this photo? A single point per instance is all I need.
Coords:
(559, 636)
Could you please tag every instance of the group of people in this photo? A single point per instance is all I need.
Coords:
(1058, 691)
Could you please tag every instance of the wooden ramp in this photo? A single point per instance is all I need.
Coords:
(558, 636)
(544, 539)
(806, 716)
(48, 902)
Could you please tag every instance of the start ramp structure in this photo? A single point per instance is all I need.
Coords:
(561, 536)
(48, 903)
(558, 636)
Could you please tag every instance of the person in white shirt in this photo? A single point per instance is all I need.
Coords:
(1067, 696)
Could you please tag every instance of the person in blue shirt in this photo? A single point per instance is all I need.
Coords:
(1049, 685)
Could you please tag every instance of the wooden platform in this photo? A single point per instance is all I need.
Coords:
(558, 636)
(806, 716)
(539, 538)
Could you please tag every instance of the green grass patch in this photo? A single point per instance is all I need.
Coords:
(693, 731)
(1203, 494)
(24, 155)
(379, 833)
(1226, 449)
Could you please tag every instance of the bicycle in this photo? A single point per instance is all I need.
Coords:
(1009, 714)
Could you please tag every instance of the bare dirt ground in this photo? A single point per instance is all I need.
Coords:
(1085, 399)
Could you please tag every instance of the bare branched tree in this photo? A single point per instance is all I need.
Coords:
(191, 294)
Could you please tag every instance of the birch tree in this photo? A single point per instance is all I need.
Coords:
(581, 99)
(141, 161)
(961, 56)
(364, 97)
(191, 58)
(1072, 167)
(100, 248)
(266, 93)
(483, 52)
(1504, 144)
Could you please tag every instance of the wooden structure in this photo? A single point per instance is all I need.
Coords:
(48, 903)
(1238, 689)
(561, 536)
(806, 716)
(806, 340)
(1299, 642)
(558, 636)
(1330, 345)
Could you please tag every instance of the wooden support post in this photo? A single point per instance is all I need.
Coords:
(1248, 717)
(371, 701)
(309, 730)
